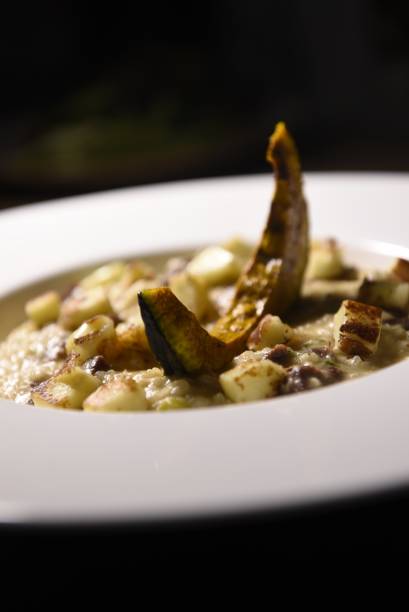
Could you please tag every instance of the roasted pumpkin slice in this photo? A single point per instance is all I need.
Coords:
(269, 284)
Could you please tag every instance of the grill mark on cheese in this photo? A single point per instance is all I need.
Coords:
(369, 334)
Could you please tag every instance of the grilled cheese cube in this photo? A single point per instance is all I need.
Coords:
(136, 270)
(214, 266)
(82, 305)
(124, 299)
(252, 380)
(269, 332)
(357, 328)
(401, 270)
(123, 295)
(67, 389)
(385, 294)
(190, 292)
(91, 337)
(44, 309)
(104, 275)
(325, 261)
(117, 395)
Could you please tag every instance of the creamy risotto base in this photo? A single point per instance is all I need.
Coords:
(29, 356)
(305, 354)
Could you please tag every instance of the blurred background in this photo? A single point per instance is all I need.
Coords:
(137, 93)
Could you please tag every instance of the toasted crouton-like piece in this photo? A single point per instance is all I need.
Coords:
(385, 294)
(400, 270)
(67, 389)
(214, 266)
(252, 380)
(357, 328)
(83, 304)
(117, 395)
(325, 260)
(91, 337)
(269, 332)
(44, 308)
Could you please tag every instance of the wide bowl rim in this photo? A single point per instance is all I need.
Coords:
(324, 476)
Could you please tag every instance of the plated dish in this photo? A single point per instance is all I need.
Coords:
(204, 329)
(70, 465)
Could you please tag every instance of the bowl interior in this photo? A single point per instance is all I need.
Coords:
(370, 255)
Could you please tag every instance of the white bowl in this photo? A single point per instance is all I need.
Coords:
(73, 466)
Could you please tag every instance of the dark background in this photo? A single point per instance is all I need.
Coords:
(94, 98)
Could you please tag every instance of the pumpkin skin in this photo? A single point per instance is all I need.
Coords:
(270, 283)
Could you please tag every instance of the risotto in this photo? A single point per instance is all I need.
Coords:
(228, 324)
(37, 365)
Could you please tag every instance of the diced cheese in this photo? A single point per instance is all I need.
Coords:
(385, 294)
(68, 389)
(172, 403)
(190, 292)
(89, 339)
(252, 380)
(118, 395)
(401, 270)
(325, 261)
(44, 309)
(82, 305)
(104, 275)
(357, 328)
(214, 266)
(269, 332)
(239, 247)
